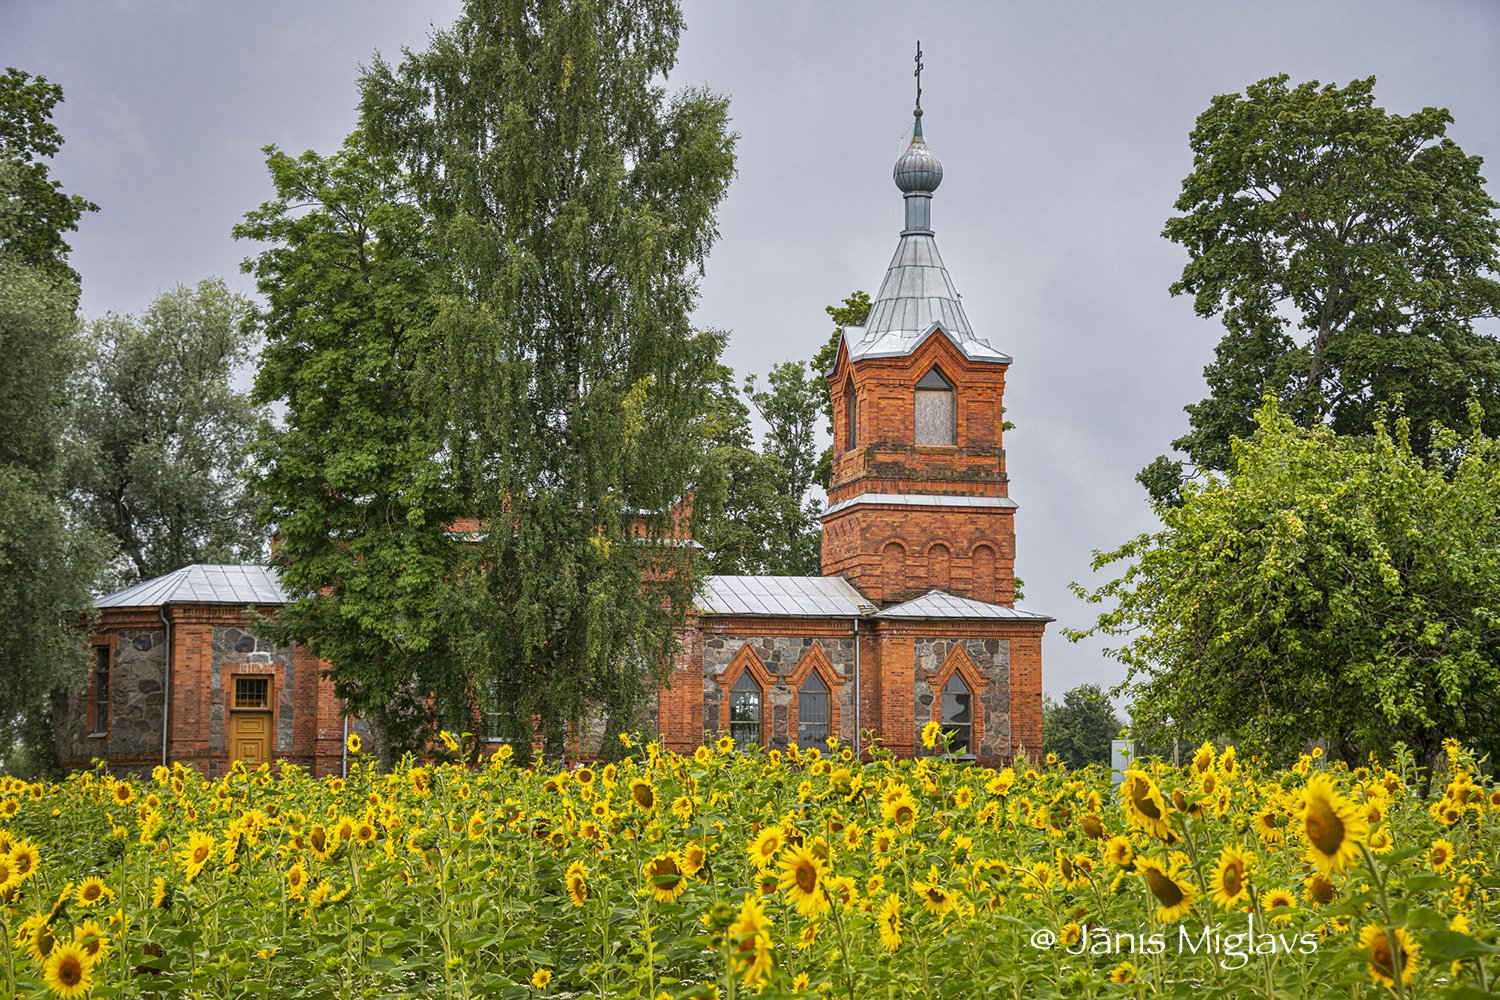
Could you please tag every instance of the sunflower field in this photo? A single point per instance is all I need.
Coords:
(726, 873)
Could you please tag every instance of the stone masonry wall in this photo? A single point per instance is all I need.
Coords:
(992, 658)
(132, 733)
(781, 655)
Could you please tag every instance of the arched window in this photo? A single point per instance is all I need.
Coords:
(936, 410)
(744, 711)
(851, 413)
(958, 714)
(812, 712)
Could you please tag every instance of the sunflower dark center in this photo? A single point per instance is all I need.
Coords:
(1324, 828)
(1166, 891)
(1141, 796)
(807, 877)
(70, 971)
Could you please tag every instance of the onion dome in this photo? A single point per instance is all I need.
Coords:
(918, 170)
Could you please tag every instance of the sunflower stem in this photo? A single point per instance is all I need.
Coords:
(1398, 965)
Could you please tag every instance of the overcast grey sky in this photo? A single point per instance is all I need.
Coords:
(1062, 128)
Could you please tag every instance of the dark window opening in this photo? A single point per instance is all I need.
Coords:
(252, 692)
(101, 689)
(851, 411)
(958, 714)
(744, 711)
(812, 712)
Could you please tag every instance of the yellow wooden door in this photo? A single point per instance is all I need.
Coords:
(249, 737)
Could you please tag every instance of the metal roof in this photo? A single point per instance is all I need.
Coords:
(782, 597)
(918, 500)
(917, 295)
(938, 604)
(201, 584)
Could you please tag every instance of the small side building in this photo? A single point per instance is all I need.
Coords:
(178, 673)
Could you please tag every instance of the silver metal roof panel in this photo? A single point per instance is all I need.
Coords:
(782, 597)
(920, 500)
(202, 584)
(939, 604)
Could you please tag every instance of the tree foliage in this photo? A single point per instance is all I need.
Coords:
(47, 567)
(1080, 728)
(1348, 252)
(575, 202)
(35, 212)
(1329, 587)
(352, 475)
(744, 515)
(160, 433)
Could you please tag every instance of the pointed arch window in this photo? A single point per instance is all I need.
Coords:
(851, 414)
(958, 714)
(746, 701)
(937, 410)
(812, 712)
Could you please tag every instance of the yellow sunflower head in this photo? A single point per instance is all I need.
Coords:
(802, 874)
(1332, 827)
(66, 972)
(1175, 895)
(890, 922)
(665, 877)
(1389, 954)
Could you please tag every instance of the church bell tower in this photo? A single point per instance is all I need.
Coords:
(919, 496)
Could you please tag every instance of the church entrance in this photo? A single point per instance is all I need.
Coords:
(250, 720)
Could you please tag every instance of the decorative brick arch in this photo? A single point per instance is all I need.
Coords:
(959, 662)
(893, 563)
(939, 557)
(814, 661)
(746, 661)
(984, 562)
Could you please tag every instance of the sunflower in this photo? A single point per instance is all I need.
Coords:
(682, 807)
(323, 843)
(353, 743)
(161, 894)
(750, 942)
(90, 937)
(1278, 898)
(577, 883)
(24, 857)
(931, 733)
(91, 892)
(122, 793)
(901, 811)
(541, 977)
(1123, 974)
(802, 874)
(200, 847)
(1175, 894)
(1119, 852)
(1093, 826)
(1229, 881)
(667, 880)
(1386, 963)
(764, 848)
(935, 899)
(67, 972)
(643, 794)
(1332, 826)
(725, 745)
(694, 856)
(35, 935)
(964, 797)
(1319, 889)
(1144, 807)
(890, 922)
(1440, 855)
(1267, 826)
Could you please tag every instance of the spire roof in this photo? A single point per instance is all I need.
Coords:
(917, 295)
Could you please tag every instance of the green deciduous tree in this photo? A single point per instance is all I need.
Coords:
(576, 203)
(160, 433)
(47, 567)
(789, 406)
(1348, 252)
(35, 212)
(1330, 587)
(1080, 728)
(352, 475)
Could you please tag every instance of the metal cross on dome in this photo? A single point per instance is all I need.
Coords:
(918, 75)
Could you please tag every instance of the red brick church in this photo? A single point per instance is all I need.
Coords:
(913, 620)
